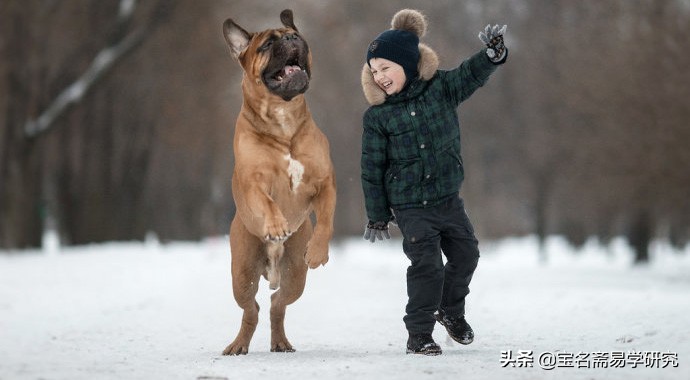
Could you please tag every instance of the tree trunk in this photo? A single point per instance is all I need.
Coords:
(640, 236)
(20, 190)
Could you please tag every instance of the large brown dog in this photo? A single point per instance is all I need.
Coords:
(283, 172)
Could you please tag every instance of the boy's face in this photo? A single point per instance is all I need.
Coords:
(388, 75)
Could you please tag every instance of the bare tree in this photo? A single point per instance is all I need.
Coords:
(117, 116)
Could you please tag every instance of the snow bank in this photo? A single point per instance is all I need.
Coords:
(151, 311)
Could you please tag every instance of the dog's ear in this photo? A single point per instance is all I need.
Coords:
(286, 19)
(236, 37)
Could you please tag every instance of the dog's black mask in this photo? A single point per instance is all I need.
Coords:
(287, 73)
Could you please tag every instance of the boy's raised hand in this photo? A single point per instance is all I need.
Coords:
(376, 230)
(492, 36)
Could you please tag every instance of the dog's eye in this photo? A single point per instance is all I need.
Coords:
(267, 45)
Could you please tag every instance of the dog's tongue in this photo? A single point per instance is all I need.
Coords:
(287, 70)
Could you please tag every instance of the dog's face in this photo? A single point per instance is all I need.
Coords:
(277, 59)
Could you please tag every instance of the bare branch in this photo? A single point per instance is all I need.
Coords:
(101, 64)
(126, 9)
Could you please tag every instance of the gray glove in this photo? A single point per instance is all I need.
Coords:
(376, 230)
(492, 36)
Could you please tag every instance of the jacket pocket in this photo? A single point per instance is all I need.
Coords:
(402, 182)
(403, 145)
(452, 170)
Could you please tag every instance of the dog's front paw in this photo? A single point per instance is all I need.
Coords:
(317, 254)
(276, 229)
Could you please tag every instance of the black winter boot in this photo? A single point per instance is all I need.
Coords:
(422, 344)
(457, 327)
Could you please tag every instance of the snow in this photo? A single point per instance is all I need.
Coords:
(151, 311)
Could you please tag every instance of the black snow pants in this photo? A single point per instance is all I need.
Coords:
(431, 285)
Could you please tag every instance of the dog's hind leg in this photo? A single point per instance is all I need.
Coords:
(293, 277)
(248, 261)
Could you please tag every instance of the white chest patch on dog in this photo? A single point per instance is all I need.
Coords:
(295, 171)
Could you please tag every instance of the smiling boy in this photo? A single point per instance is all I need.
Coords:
(412, 170)
(388, 75)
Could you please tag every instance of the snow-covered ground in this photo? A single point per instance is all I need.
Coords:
(150, 311)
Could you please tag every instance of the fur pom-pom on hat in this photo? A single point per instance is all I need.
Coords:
(410, 20)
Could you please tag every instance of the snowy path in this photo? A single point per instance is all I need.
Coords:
(133, 311)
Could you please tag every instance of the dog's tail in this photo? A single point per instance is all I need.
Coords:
(272, 274)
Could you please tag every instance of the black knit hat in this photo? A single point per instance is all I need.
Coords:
(399, 46)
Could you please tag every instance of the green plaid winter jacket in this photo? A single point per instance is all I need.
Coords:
(411, 142)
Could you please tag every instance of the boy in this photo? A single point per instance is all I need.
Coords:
(412, 170)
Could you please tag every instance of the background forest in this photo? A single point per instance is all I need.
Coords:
(117, 116)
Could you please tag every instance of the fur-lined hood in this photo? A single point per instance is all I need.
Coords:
(412, 21)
